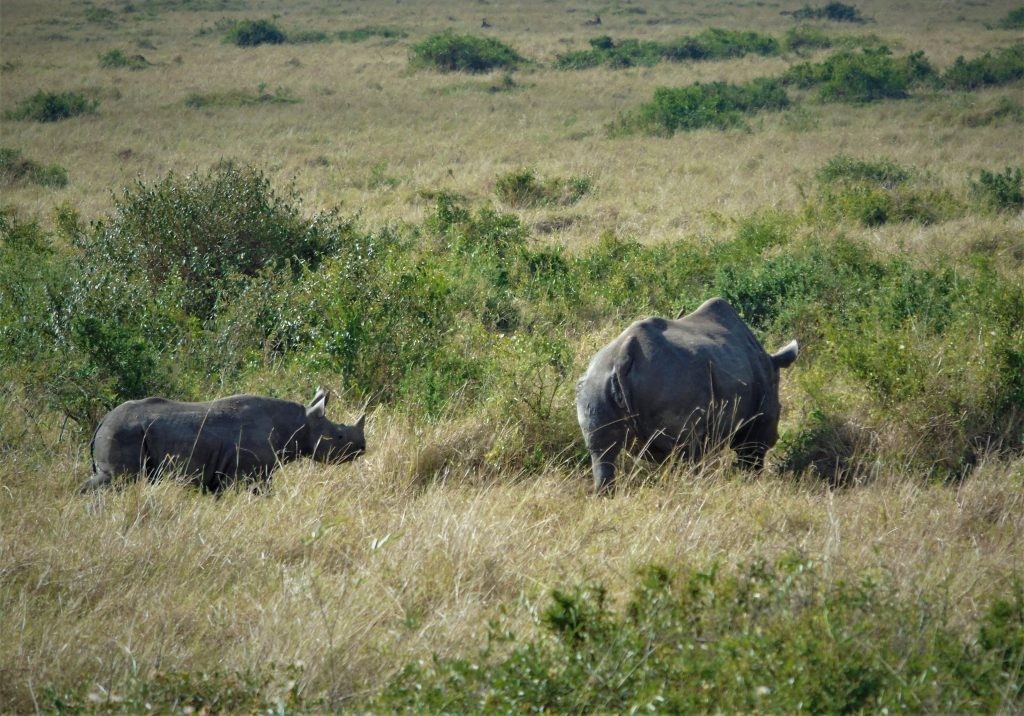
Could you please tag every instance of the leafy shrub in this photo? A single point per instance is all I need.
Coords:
(1004, 66)
(871, 75)
(53, 106)
(115, 59)
(1003, 191)
(714, 43)
(882, 172)
(450, 52)
(192, 234)
(14, 169)
(360, 34)
(714, 104)
(250, 33)
(767, 637)
(879, 191)
(834, 11)
(1014, 19)
(522, 188)
(307, 37)
(806, 37)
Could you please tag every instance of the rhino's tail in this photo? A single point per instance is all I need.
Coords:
(98, 480)
(99, 477)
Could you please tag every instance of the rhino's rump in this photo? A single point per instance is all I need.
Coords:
(696, 381)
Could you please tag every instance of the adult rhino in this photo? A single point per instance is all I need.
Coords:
(681, 386)
(219, 441)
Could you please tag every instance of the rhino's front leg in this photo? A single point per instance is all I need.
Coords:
(603, 466)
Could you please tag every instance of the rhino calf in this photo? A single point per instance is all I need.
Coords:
(669, 387)
(217, 442)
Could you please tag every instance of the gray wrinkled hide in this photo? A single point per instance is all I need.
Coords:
(216, 442)
(682, 386)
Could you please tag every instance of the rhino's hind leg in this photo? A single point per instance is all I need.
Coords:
(751, 456)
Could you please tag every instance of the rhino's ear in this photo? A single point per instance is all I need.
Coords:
(318, 407)
(321, 396)
(785, 356)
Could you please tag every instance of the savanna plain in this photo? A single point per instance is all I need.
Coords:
(440, 211)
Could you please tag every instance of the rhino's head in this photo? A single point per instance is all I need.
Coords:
(332, 442)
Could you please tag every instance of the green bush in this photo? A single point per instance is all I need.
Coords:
(117, 59)
(250, 33)
(1014, 19)
(16, 169)
(767, 637)
(1003, 67)
(835, 11)
(360, 34)
(870, 75)
(806, 37)
(53, 106)
(307, 37)
(450, 52)
(879, 191)
(714, 43)
(882, 172)
(715, 104)
(1002, 191)
(273, 690)
(192, 234)
(522, 189)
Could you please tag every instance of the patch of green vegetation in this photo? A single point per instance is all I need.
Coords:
(275, 690)
(53, 106)
(521, 188)
(1005, 109)
(100, 16)
(307, 37)
(451, 52)
(767, 637)
(879, 191)
(806, 37)
(712, 44)
(834, 11)
(718, 105)
(16, 169)
(361, 34)
(870, 75)
(882, 172)
(1014, 20)
(1002, 191)
(217, 275)
(117, 59)
(250, 33)
(239, 98)
(1002, 67)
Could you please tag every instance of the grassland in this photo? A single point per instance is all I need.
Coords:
(492, 231)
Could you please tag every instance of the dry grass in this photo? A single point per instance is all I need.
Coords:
(354, 570)
(361, 108)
